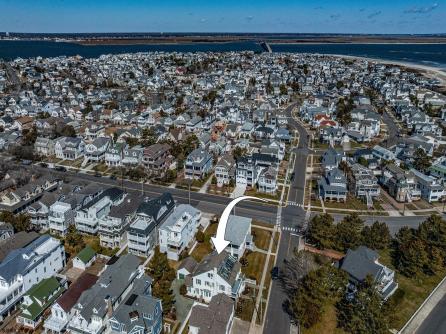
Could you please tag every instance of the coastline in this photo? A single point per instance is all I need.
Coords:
(428, 71)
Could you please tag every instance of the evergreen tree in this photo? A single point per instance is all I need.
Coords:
(365, 313)
(163, 276)
(376, 236)
(321, 231)
(410, 252)
(348, 232)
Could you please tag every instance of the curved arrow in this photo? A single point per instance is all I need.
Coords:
(219, 240)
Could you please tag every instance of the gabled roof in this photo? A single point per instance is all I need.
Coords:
(86, 254)
(70, 297)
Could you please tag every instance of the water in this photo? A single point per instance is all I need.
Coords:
(424, 54)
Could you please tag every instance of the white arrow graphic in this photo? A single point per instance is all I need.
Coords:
(219, 241)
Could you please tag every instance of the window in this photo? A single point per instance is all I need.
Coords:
(198, 281)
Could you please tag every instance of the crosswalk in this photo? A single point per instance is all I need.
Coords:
(295, 204)
(290, 229)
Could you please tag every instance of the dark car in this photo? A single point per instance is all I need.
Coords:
(97, 174)
(292, 177)
(43, 164)
(60, 169)
(112, 177)
(275, 273)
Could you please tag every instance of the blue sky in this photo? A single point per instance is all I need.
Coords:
(332, 16)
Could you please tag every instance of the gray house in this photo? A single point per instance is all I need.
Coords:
(238, 233)
(363, 262)
(333, 186)
(198, 163)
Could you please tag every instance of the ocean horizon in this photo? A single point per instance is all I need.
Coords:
(433, 55)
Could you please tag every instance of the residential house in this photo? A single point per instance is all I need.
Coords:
(333, 186)
(363, 262)
(68, 148)
(113, 226)
(85, 258)
(96, 305)
(249, 169)
(62, 309)
(178, 230)
(432, 189)
(156, 158)
(331, 159)
(25, 260)
(132, 156)
(400, 184)
(139, 313)
(225, 170)
(238, 233)
(198, 164)
(38, 299)
(215, 274)
(142, 233)
(95, 151)
(88, 216)
(363, 182)
(114, 154)
(6, 231)
(215, 318)
(44, 146)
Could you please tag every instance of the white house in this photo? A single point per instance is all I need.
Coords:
(25, 266)
(62, 310)
(238, 233)
(85, 258)
(216, 273)
(179, 229)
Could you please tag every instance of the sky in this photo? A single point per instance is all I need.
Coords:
(275, 16)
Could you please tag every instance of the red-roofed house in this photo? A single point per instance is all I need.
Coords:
(61, 311)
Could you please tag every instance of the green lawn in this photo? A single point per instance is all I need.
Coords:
(254, 268)
(261, 238)
(411, 293)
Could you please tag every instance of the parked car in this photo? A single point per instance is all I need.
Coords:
(60, 169)
(275, 273)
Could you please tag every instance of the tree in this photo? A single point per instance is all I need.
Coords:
(363, 161)
(364, 313)
(343, 111)
(269, 88)
(296, 268)
(29, 136)
(321, 231)
(421, 160)
(20, 222)
(410, 254)
(163, 276)
(376, 236)
(315, 288)
(68, 131)
(74, 240)
(214, 180)
(348, 232)
(283, 89)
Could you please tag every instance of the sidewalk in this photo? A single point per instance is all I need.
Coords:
(423, 311)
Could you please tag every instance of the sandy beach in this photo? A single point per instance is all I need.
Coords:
(428, 71)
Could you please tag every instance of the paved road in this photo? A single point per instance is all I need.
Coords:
(206, 202)
(392, 130)
(435, 321)
(277, 319)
